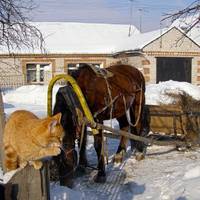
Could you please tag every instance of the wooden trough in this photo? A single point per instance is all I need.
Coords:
(182, 127)
(174, 120)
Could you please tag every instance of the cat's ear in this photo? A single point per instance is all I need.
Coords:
(57, 117)
(55, 120)
(52, 124)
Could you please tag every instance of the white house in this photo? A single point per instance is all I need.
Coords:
(161, 55)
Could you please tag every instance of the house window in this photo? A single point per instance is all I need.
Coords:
(74, 66)
(35, 72)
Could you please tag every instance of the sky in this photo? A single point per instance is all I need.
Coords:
(144, 14)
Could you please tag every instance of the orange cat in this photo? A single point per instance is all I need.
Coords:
(28, 139)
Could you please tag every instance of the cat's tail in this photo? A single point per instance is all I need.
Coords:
(10, 161)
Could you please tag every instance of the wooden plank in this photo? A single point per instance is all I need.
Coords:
(119, 133)
(167, 119)
(28, 184)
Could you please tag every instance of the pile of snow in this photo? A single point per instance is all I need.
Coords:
(192, 173)
(156, 93)
(5, 177)
(29, 94)
(1, 175)
(64, 193)
(165, 174)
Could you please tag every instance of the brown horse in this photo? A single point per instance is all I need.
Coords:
(108, 97)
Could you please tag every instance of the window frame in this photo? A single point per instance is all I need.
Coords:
(36, 61)
(39, 69)
(101, 62)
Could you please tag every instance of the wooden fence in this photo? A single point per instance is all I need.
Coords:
(11, 81)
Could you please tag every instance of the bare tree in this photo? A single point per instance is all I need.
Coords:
(190, 16)
(16, 32)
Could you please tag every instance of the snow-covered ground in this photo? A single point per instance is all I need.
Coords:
(165, 174)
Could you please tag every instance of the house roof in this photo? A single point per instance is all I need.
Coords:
(139, 41)
(186, 23)
(66, 37)
(90, 38)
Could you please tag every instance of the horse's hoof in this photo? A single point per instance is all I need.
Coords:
(80, 171)
(99, 179)
(69, 183)
(139, 156)
(118, 158)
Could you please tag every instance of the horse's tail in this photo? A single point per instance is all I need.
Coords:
(142, 99)
(140, 106)
(141, 90)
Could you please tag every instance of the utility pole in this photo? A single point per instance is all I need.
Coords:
(141, 11)
(131, 17)
(140, 18)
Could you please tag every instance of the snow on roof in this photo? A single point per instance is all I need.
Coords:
(185, 23)
(195, 34)
(91, 38)
(139, 40)
(68, 37)
(83, 37)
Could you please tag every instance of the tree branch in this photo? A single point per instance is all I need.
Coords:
(191, 13)
(16, 32)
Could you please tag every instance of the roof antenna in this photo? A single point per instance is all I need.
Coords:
(131, 16)
(161, 26)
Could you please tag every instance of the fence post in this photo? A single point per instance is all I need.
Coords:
(28, 184)
(2, 123)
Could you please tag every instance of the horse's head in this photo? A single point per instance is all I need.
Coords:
(81, 69)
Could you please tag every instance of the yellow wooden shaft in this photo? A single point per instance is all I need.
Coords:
(78, 92)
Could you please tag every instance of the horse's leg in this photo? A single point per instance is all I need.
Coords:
(141, 128)
(82, 153)
(123, 124)
(101, 175)
(67, 161)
